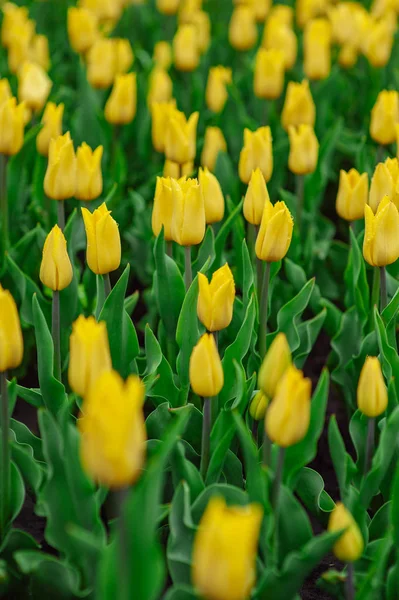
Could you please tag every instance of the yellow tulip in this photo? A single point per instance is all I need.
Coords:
(188, 221)
(262, 9)
(163, 56)
(103, 240)
(352, 195)
(105, 10)
(216, 91)
(89, 179)
(12, 124)
(279, 36)
(226, 546)
(317, 49)
(202, 24)
(345, 20)
(256, 198)
(82, 29)
(186, 48)
(350, 545)
(269, 73)
(216, 299)
(11, 340)
(40, 51)
(160, 87)
(212, 196)
(214, 142)
(282, 14)
(274, 365)
(5, 90)
(174, 170)
(256, 153)
(13, 17)
(384, 183)
(206, 371)
(378, 43)
(160, 115)
(347, 56)
(304, 149)
(384, 117)
(52, 127)
(243, 32)
(121, 106)
(299, 108)
(372, 395)
(288, 417)
(89, 354)
(101, 63)
(274, 237)
(168, 7)
(306, 10)
(20, 45)
(381, 238)
(258, 406)
(34, 86)
(181, 137)
(113, 434)
(162, 211)
(60, 178)
(56, 269)
(124, 56)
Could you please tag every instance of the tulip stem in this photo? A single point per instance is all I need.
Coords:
(375, 291)
(263, 311)
(350, 582)
(5, 455)
(55, 331)
(380, 154)
(267, 448)
(4, 203)
(278, 477)
(188, 273)
(255, 431)
(107, 285)
(169, 249)
(61, 214)
(300, 189)
(383, 288)
(369, 445)
(259, 266)
(206, 436)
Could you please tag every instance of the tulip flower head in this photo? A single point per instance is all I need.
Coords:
(385, 182)
(5, 90)
(160, 115)
(168, 7)
(82, 29)
(372, 395)
(317, 49)
(186, 49)
(52, 127)
(103, 240)
(381, 238)
(89, 179)
(304, 149)
(124, 56)
(56, 270)
(40, 51)
(206, 371)
(216, 299)
(258, 406)
(350, 545)
(212, 196)
(121, 105)
(188, 221)
(60, 178)
(243, 32)
(299, 108)
(101, 63)
(256, 153)
(214, 143)
(269, 73)
(34, 86)
(160, 87)
(216, 93)
(378, 42)
(384, 117)
(13, 17)
(256, 198)
(280, 36)
(275, 233)
(163, 56)
(352, 195)
(12, 123)
(274, 365)
(11, 340)
(162, 212)
(181, 137)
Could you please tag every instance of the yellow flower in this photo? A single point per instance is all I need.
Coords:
(212, 196)
(317, 49)
(181, 137)
(124, 56)
(216, 91)
(381, 238)
(280, 36)
(11, 340)
(304, 149)
(89, 354)
(372, 395)
(168, 7)
(52, 127)
(306, 10)
(258, 406)
(384, 117)
(269, 73)
(34, 86)
(299, 108)
(160, 87)
(214, 143)
(384, 183)
(40, 51)
(347, 56)
(175, 170)
(274, 237)
(186, 48)
(5, 90)
(121, 106)
(56, 269)
(262, 9)
(350, 545)
(256, 153)
(378, 42)
(206, 371)
(60, 178)
(274, 365)
(352, 195)
(162, 211)
(282, 14)
(103, 240)
(226, 546)
(163, 56)
(19, 48)
(243, 32)
(256, 198)
(89, 179)
(13, 16)
(113, 434)
(101, 63)
(160, 115)
(11, 126)
(105, 10)
(188, 221)
(82, 29)
(202, 23)
(216, 299)
(288, 417)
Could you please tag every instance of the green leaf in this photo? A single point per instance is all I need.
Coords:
(389, 356)
(374, 581)
(356, 281)
(187, 332)
(338, 455)
(180, 592)
(164, 387)
(394, 512)
(27, 289)
(310, 489)
(180, 541)
(308, 334)
(232, 495)
(220, 242)
(294, 528)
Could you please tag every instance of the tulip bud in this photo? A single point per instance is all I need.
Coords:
(163, 56)
(5, 90)
(216, 92)
(160, 87)
(160, 115)
(256, 153)
(11, 126)
(101, 64)
(168, 7)
(269, 74)
(307, 10)
(212, 196)
(181, 137)
(214, 143)
(262, 9)
(352, 195)
(40, 51)
(288, 417)
(124, 56)
(372, 395)
(52, 127)
(274, 237)
(258, 406)
(243, 32)
(121, 105)
(60, 178)
(206, 371)
(186, 48)
(162, 211)
(317, 49)
(216, 299)
(274, 365)
(347, 57)
(304, 149)
(202, 24)
(19, 49)
(82, 29)
(34, 86)
(103, 240)
(89, 179)
(299, 108)
(226, 542)
(383, 183)
(256, 198)
(11, 340)
(175, 171)
(113, 434)
(105, 10)
(381, 238)
(56, 269)
(384, 117)
(350, 545)
(13, 16)
(378, 43)
(188, 221)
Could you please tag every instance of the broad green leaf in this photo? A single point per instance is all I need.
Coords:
(187, 333)
(164, 387)
(310, 489)
(293, 525)
(389, 356)
(26, 290)
(182, 531)
(338, 455)
(180, 592)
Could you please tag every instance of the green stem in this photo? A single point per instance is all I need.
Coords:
(278, 477)
(169, 248)
(206, 436)
(383, 288)
(380, 154)
(55, 330)
(124, 545)
(107, 285)
(369, 445)
(300, 189)
(255, 431)
(5, 456)
(267, 449)
(375, 291)
(350, 582)
(259, 268)
(4, 203)
(263, 311)
(188, 273)
(61, 214)
(215, 399)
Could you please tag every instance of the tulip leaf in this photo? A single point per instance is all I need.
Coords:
(180, 592)
(358, 293)
(159, 419)
(346, 344)
(206, 252)
(26, 289)
(308, 333)
(338, 455)
(224, 231)
(389, 356)
(232, 495)
(164, 388)
(17, 492)
(380, 522)
(28, 251)
(394, 507)
(373, 583)
(310, 489)
(248, 275)
(184, 470)
(293, 525)
(182, 531)
(32, 396)
(187, 332)
(32, 472)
